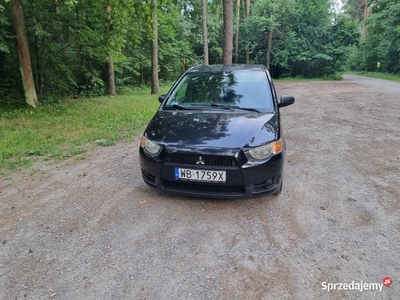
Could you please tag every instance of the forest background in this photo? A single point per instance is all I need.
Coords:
(88, 48)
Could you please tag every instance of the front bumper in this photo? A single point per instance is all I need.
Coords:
(241, 182)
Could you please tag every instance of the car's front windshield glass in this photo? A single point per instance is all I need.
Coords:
(225, 89)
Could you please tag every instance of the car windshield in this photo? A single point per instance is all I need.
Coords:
(245, 89)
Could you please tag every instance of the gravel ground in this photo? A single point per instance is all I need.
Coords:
(91, 229)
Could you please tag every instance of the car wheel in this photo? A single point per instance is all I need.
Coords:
(280, 189)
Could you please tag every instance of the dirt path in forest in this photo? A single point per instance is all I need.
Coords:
(91, 229)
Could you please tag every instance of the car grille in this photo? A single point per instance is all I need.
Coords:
(208, 160)
(203, 188)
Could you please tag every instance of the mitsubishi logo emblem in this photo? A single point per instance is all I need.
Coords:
(200, 161)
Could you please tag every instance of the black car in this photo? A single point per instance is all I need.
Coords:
(217, 133)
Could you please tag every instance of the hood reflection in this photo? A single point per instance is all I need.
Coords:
(212, 129)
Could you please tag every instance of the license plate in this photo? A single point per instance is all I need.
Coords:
(200, 175)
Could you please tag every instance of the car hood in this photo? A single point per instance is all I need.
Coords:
(212, 129)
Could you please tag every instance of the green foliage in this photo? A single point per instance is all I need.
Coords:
(4, 35)
(175, 50)
(382, 39)
(72, 41)
(305, 40)
(355, 9)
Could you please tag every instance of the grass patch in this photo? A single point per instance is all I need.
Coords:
(391, 77)
(66, 128)
(335, 76)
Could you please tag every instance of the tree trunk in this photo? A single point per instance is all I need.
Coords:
(247, 33)
(228, 32)
(111, 77)
(237, 31)
(205, 33)
(154, 53)
(110, 64)
(366, 15)
(39, 84)
(270, 33)
(23, 53)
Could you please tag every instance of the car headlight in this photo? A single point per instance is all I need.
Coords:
(150, 148)
(263, 152)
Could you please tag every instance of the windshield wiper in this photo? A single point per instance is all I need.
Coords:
(178, 106)
(222, 106)
(234, 107)
(247, 108)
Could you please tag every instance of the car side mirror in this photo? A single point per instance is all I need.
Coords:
(161, 98)
(286, 100)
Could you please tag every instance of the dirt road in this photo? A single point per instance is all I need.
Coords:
(91, 229)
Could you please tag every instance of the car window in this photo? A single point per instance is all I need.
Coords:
(247, 89)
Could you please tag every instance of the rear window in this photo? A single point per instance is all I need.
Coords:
(247, 89)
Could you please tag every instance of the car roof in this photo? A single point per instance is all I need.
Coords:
(227, 68)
